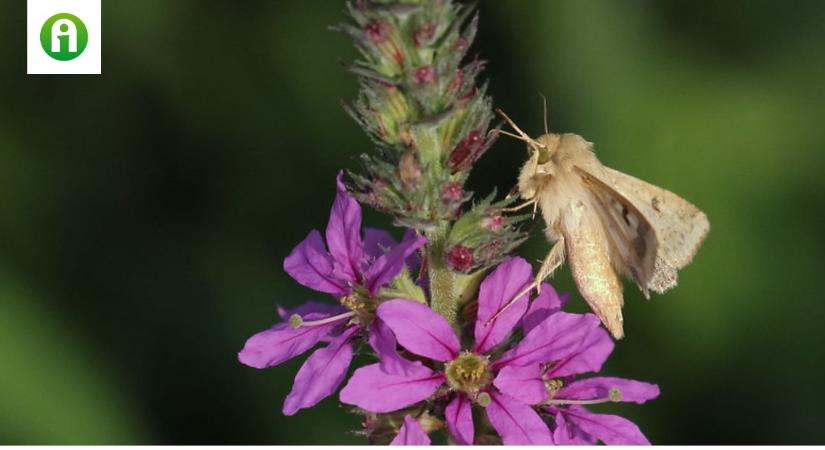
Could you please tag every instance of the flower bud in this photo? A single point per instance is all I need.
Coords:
(377, 31)
(424, 75)
(460, 258)
(493, 223)
(452, 192)
(424, 34)
(465, 152)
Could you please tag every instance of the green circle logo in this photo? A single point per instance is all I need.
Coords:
(64, 37)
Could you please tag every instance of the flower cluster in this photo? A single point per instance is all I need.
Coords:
(419, 105)
(520, 368)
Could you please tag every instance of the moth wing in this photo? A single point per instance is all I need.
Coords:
(633, 240)
(680, 227)
(589, 260)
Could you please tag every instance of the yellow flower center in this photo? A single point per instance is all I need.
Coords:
(468, 372)
(363, 306)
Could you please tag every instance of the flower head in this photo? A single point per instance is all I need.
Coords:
(519, 386)
(350, 267)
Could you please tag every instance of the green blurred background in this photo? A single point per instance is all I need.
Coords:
(145, 213)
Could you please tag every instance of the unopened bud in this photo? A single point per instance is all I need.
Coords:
(424, 34)
(452, 192)
(377, 31)
(424, 75)
(494, 223)
(460, 258)
(464, 153)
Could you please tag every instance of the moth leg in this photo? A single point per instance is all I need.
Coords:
(552, 262)
(522, 206)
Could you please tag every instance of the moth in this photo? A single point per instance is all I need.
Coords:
(604, 223)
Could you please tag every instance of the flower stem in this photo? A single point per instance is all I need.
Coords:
(443, 294)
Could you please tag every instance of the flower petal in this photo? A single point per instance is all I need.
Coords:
(548, 302)
(383, 342)
(280, 343)
(588, 357)
(566, 433)
(610, 429)
(414, 260)
(411, 433)
(311, 265)
(557, 337)
(600, 387)
(377, 242)
(516, 423)
(320, 374)
(344, 232)
(522, 383)
(311, 307)
(374, 390)
(459, 415)
(388, 265)
(419, 329)
(495, 292)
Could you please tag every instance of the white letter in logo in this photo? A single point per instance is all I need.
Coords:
(64, 27)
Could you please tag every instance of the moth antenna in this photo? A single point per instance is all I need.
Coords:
(546, 127)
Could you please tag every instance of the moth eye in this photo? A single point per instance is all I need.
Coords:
(544, 155)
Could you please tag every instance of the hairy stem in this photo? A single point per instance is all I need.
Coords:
(444, 296)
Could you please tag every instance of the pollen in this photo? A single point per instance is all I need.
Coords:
(615, 395)
(553, 386)
(352, 302)
(361, 305)
(295, 321)
(468, 373)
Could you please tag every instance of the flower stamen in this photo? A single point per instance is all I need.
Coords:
(296, 321)
(468, 372)
(613, 396)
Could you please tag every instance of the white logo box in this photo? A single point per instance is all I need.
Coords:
(38, 62)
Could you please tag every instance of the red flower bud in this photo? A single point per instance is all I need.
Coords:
(424, 34)
(465, 152)
(377, 31)
(424, 75)
(451, 192)
(460, 258)
(494, 223)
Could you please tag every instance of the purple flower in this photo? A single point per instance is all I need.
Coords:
(350, 268)
(518, 388)
(411, 433)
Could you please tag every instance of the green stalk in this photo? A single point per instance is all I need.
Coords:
(444, 297)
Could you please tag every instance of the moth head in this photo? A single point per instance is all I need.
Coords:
(540, 167)
(544, 149)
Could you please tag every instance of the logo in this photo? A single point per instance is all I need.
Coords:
(64, 37)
